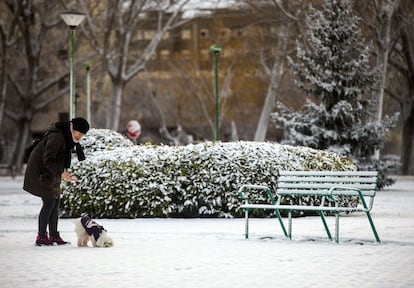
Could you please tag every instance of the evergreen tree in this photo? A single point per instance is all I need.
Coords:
(335, 70)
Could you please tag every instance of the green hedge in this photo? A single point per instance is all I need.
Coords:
(182, 181)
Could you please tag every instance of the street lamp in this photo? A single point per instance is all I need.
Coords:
(216, 50)
(88, 91)
(72, 19)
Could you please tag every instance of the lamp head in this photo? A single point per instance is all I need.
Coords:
(87, 65)
(215, 48)
(72, 18)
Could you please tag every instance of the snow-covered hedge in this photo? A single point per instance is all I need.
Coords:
(102, 140)
(181, 181)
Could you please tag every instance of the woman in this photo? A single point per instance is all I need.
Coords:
(47, 166)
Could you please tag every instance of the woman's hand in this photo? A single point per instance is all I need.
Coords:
(68, 177)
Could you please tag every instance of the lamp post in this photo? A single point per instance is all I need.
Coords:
(72, 19)
(216, 50)
(88, 91)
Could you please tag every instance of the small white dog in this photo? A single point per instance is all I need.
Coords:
(88, 230)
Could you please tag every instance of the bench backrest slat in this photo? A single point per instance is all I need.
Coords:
(310, 186)
(319, 182)
(328, 179)
(330, 173)
(322, 192)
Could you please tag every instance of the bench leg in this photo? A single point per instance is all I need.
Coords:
(281, 222)
(373, 227)
(337, 227)
(246, 225)
(325, 225)
(290, 224)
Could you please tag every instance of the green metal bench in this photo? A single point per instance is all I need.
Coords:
(332, 185)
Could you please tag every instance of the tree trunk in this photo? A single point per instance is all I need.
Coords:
(20, 143)
(407, 103)
(3, 82)
(7, 35)
(385, 15)
(115, 110)
(407, 145)
(276, 76)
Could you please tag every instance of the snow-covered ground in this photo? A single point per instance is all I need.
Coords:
(212, 252)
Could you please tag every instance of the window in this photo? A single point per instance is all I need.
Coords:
(239, 32)
(140, 35)
(226, 53)
(185, 34)
(165, 54)
(186, 53)
(204, 53)
(149, 34)
(204, 33)
(225, 33)
(166, 35)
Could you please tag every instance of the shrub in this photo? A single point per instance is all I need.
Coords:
(182, 181)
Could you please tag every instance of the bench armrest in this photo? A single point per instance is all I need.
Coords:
(255, 187)
(350, 191)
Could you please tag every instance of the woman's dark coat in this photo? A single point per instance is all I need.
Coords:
(46, 163)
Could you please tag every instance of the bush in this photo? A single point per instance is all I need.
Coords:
(102, 140)
(181, 181)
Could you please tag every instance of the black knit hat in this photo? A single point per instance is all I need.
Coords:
(80, 124)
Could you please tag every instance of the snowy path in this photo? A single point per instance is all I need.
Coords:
(212, 252)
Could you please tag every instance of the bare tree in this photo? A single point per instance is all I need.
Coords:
(8, 27)
(113, 33)
(197, 97)
(382, 15)
(201, 88)
(391, 23)
(274, 12)
(275, 74)
(32, 84)
(385, 11)
(402, 75)
(407, 103)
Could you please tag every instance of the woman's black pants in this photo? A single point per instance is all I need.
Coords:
(49, 215)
